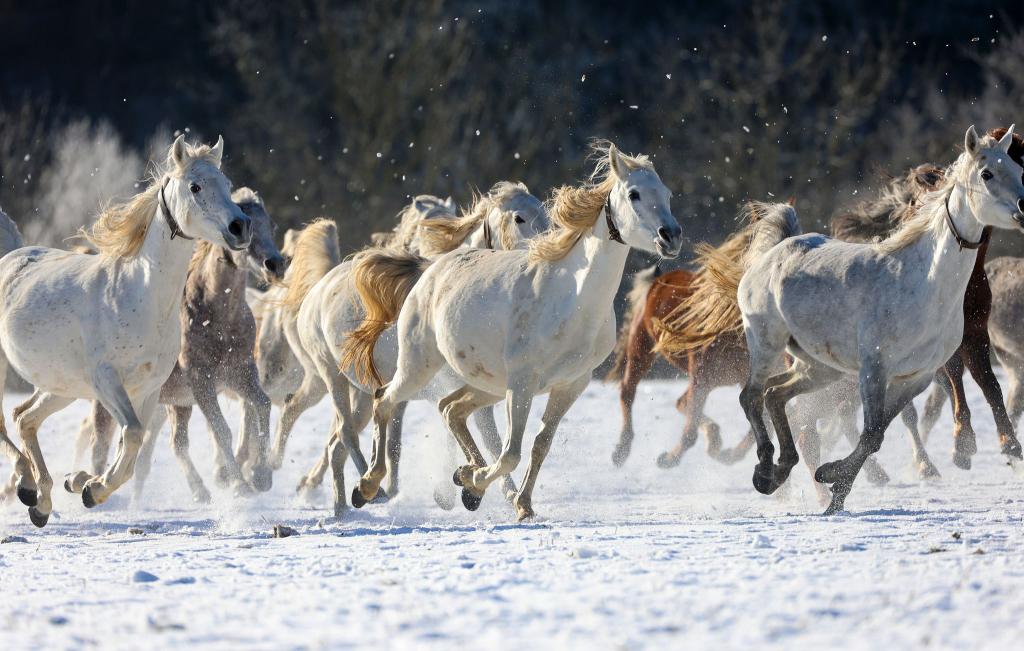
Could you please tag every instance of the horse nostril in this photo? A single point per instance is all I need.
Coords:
(1020, 205)
(274, 265)
(237, 227)
(664, 234)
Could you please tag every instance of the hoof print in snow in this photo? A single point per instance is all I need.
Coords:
(142, 576)
(282, 531)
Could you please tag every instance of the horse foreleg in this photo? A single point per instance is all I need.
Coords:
(484, 419)
(180, 417)
(518, 399)
(206, 399)
(639, 358)
(307, 395)
(247, 385)
(361, 413)
(22, 481)
(559, 402)
(28, 423)
(102, 435)
(964, 441)
(979, 363)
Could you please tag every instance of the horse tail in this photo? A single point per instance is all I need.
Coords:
(10, 236)
(316, 252)
(712, 309)
(383, 279)
(636, 298)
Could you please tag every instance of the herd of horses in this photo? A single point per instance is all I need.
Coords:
(182, 295)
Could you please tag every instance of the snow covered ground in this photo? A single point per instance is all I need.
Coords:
(636, 557)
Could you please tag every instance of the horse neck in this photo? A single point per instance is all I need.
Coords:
(948, 267)
(162, 264)
(597, 264)
(478, 238)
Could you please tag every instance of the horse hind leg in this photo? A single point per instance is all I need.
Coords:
(692, 405)
(28, 423)
(979, 362)
(484, 419)
(456, 409)
(180, 417)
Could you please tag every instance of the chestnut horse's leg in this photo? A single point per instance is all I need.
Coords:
(692, 406)
(639, 358)
(976, 355)
(964, 441)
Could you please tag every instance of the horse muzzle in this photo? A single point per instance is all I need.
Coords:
(669, 242)
(238, 234)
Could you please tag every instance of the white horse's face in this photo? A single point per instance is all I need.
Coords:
(200, 197)
(993, 180)
(641, 209)
(524, 212)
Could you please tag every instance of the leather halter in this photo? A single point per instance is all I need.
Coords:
(169, 218)
(963, 243)
(613, 233)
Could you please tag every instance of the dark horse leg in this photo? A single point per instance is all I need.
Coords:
(639, 358)
(976, 355)
(964, 441)
(692, 406)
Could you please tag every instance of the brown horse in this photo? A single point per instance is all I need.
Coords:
(723, 363)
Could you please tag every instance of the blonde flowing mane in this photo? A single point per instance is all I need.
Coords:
(316, 253)
(927, 215)
(120, 229)
(712, 309)
(575, 209)
(440, 235)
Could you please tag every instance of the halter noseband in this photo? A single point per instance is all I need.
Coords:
(613, 233)
(963, 243)
(169, 218)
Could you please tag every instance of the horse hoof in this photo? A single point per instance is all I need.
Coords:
(471, 501)
(962, 461)
(37, 517)
(668, 460)
(381, 497)
(456, 479)
(620, 455)
(28, 496)
(443, 498)
(927, 470)
(87, 498)
(358, 501)
(201, 497)
(262, 479)
(1012, 449)
(764, 484)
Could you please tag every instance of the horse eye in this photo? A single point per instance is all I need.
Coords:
(986, 175)
(634, 195)
(520, 220)
(194, 188)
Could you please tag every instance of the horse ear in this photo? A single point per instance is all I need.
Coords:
(450, 203)
(1007, 139)
(971, 141)
(421, 205)
(217, 152)
(176, 154)
(618, 166)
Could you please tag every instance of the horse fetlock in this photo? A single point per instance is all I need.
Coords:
(764, 479)
(926, 469)
(524, 507)
(75, 482)
(669, 459)
(1010, 446)
(621, 453)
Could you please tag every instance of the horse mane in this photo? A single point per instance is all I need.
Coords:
(121, 228)
(876, 219)
(440, 234)
(316, 253)
(246, 196)
(712, 308)
(574, 209)
(203, 249)
(409, 219)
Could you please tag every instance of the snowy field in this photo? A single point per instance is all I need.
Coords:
(636, 557)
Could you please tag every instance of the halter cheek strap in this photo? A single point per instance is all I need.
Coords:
(171, 222)
(964, 243)
(488, 238)
(613, 233)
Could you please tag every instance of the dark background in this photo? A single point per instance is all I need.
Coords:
(347, 109)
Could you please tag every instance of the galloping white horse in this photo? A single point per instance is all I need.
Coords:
(106, 326)
(888, 314)
(503, 218)
(516, 324)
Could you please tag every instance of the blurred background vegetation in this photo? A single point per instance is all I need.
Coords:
(348, 109)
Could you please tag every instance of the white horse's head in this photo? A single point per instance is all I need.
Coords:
(641, 209)
(995, 192)
(199, 196)
(514, 215)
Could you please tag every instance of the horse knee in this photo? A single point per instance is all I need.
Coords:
(751, 399)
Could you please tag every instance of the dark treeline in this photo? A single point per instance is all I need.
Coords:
(346, 109)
